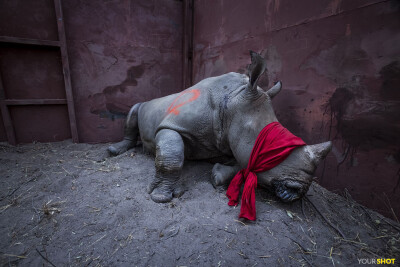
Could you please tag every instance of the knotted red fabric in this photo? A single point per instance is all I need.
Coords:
(273, 145)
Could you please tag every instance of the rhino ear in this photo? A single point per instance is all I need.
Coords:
(319, 151)
(274, 90)
(255, 69)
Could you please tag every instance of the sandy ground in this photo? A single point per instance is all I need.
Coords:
(65, 204)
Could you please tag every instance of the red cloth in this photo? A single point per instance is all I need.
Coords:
(273, 145)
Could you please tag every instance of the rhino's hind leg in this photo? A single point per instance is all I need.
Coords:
(131, 133)
(222, 174)
(169, 162)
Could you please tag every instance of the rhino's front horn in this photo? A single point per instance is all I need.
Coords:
(319, 151)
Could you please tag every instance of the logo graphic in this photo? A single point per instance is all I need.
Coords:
(376, 261)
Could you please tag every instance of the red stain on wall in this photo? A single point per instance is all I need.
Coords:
(173, 108)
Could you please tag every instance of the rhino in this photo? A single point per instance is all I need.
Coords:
(217, 119)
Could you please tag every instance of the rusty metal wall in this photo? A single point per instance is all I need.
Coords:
(121, 52)
(32, 72)
(28, 19)
(340, 66)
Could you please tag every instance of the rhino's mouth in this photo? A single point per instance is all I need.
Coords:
(290, 190)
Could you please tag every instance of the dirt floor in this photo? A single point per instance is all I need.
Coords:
(65, 204)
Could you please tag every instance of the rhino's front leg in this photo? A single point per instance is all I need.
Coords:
(222, 174)
(169, 162)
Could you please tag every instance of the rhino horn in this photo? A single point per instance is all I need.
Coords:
(255, 69)
(319, 151)
(274, 90)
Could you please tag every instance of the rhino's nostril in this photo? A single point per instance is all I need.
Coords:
(289, 193)
(294, 185)
(288, 190)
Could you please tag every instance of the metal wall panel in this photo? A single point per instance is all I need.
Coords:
(28, 19)
(31, 72)
(40, 123)
(121, 53)
(34, 70)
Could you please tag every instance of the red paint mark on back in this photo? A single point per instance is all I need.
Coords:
(173, 108)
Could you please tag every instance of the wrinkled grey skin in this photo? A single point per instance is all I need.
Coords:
(220, 125)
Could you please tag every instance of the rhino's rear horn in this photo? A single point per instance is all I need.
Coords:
(274, 90)
(320, 151)
(256, 69)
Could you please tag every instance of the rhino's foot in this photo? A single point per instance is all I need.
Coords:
(163, 193)
(121, 147)
(222, 175)
(217, 178)
(161, 196)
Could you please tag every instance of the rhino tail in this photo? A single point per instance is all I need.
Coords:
(131, 133)
(132, 119)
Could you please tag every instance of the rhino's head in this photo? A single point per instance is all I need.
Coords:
(250, 110)
(291, 179)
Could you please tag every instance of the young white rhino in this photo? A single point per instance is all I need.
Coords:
(218, 119)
